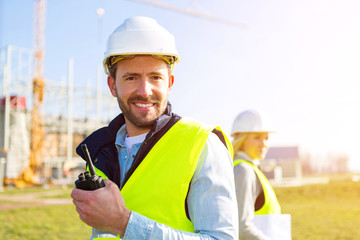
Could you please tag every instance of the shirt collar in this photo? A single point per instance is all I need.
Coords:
(120, 136)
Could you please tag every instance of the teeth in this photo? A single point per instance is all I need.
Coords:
(143, 104)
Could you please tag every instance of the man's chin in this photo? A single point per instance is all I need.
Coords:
(145, 125)
(142, 119)
(140, 122)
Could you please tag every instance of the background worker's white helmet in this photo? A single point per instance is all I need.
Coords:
(251, 121)
(140, 35)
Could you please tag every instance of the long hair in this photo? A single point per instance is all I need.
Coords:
(238, 140)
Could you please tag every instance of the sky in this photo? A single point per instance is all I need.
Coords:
(298, 61)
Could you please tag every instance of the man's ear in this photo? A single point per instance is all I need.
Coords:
(171, 80)
(111, 85)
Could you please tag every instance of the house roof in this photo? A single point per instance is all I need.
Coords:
(282, 153)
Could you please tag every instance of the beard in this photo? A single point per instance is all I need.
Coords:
(141, 119)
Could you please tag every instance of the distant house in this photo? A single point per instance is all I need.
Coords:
(282, 163)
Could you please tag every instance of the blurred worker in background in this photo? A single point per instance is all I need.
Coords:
(171, 177)
(255, 196)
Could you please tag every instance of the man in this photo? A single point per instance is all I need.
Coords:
(174, 174)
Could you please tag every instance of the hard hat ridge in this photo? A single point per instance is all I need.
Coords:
(139, 22)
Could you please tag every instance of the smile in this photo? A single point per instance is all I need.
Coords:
(144, 104)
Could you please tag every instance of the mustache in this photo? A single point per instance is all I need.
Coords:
(151, 98)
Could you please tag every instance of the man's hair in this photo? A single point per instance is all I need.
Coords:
(112, 69)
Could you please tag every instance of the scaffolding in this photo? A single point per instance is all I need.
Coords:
(63, 127)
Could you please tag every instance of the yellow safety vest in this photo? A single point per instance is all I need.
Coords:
(271, 204)
(158, 187)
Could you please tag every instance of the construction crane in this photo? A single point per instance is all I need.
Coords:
(191, 12)
(36, 128)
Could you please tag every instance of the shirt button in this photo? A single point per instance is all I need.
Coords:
(125, 157)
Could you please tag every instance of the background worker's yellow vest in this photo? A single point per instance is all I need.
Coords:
(271, 204)
(158, 187)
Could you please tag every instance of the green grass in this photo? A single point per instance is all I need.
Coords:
(319, 212)
(323, 211)
(38, 189)
(50, 222)
(66, 194)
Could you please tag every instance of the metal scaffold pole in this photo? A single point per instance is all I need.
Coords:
(7, 79)
(70, 106)
(98, 94)
(5, 148)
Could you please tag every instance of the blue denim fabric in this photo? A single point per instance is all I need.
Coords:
(211, 200)
(125, 158)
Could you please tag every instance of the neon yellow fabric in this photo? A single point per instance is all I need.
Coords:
(158, 187)
(271, 204)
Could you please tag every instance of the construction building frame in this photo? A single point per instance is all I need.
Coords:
(69, 112)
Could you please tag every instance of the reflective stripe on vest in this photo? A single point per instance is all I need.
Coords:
(271, 204)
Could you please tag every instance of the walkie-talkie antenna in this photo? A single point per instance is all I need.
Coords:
(88, 159)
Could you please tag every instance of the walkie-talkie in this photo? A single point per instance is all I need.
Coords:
(89, 181)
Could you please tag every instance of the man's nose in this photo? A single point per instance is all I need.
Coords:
(144, 88)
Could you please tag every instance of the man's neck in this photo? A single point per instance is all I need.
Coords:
(133, 131)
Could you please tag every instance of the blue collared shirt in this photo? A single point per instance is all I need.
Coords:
(211, 200)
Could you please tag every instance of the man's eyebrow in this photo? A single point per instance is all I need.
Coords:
(128, 74)
(156, 73)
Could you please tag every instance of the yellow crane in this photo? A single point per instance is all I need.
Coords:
(191, 12)
(37, 125)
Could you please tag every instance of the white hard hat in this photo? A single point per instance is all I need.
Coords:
(140, 35)
(251, 121)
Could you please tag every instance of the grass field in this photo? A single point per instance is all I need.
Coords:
(45, 222)
(323, 211)
(319, 212)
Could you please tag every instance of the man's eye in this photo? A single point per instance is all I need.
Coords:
(130, 78)
(156, 77)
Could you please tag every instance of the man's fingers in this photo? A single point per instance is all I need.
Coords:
(78, 209)
(79, 194)
(108, 182)
(111, 185)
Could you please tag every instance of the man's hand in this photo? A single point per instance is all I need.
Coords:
(103, 209)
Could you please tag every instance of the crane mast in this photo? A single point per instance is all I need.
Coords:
(37, 125)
